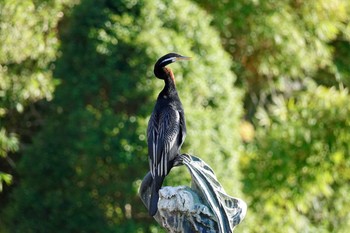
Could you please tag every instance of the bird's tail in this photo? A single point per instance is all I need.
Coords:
(156, 185)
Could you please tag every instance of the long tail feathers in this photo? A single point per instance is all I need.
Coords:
(153, 204)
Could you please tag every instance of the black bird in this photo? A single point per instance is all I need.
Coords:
(166, 130)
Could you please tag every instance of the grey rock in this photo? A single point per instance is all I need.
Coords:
(205, 207)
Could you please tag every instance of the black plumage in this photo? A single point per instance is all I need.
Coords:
(166, 130)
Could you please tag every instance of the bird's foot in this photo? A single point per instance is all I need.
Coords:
(179, 160)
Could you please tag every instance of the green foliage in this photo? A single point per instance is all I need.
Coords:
(28, 45)
(82, 170)
(298, 170)
(87, 163)
(8, 143)
(277, 44)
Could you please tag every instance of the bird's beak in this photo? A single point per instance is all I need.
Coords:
(182, 58)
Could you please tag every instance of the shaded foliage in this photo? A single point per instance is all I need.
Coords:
(91, 155)
(28, 47)
(82, 133)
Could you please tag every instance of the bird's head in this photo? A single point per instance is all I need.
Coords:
(160, 71)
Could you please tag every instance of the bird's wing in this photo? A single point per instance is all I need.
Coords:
(162, 135)
(182, 128)
(152, 140)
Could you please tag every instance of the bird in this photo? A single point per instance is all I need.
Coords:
(166, 129)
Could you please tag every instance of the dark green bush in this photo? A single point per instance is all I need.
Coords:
(83, 171)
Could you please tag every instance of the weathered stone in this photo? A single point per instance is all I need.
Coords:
(204, 208)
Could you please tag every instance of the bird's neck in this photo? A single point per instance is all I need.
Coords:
(170, 87)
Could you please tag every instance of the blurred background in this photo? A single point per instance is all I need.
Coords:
(266, 100)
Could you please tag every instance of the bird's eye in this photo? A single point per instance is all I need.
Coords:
(171, 59)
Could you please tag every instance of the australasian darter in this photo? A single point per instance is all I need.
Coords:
(166, 128)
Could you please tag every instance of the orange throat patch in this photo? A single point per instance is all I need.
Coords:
(170, 73)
